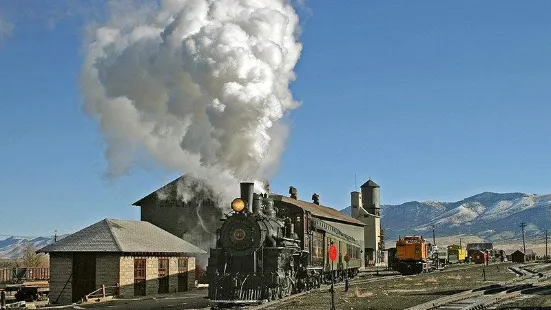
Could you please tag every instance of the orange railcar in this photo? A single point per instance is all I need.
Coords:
(413, 255)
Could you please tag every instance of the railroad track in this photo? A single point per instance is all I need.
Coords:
(530, 281)
(324, 288)
(327, 287)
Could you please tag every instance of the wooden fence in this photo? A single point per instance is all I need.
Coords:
(18, 274)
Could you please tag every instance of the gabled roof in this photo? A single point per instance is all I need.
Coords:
(370, 183)
(319, 210)
(154, 194)
(122, 236)
(528, 252)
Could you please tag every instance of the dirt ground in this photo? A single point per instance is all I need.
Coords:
(404, 292)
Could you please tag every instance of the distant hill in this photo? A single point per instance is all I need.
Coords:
(491, 216)
(14, 247)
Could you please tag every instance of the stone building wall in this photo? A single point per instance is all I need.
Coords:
(126, 276)
(151, 275)
(173, 274)
(107, 269)
(61, 268)
(112, 269)
(191, 273)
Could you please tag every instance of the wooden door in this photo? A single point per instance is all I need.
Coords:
(84, 275)
(182, 274)
(163, 275)
(139, 277)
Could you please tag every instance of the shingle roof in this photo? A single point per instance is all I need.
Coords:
(370, 183)
(122, 236)
(318, 210)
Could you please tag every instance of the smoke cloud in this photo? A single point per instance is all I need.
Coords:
(199, 85)
(6, 27)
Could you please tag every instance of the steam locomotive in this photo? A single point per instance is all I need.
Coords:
(268, 249)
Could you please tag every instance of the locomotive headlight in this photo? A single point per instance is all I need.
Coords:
(238, 205)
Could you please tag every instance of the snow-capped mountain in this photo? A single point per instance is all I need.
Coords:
(14, 247)
(493, 216)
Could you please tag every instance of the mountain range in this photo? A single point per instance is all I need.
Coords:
(491, 216)
(494, 217)
(14, 247)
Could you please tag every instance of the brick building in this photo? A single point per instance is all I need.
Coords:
(130, 258)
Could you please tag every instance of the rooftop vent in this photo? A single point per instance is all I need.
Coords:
(316, 198)
(293, 192)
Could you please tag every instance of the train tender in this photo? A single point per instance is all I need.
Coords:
(414, 255)
(267, 249)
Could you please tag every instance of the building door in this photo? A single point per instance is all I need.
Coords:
(182, 274)
(84, 275)
(163, 275)
(139, 277)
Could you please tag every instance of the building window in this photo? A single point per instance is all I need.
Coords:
(317, 245)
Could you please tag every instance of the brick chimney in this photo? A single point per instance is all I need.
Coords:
(316, 198)
(293, 192)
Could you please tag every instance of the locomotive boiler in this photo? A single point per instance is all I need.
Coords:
(267, 249)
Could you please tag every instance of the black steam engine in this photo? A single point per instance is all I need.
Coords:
(259, 256)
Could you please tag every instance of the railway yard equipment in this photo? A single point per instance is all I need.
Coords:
(414, 255)
(528, 283)
(456, 254)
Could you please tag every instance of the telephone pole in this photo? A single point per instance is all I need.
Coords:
(546, 245)
(522, 225)
(459, 242)
(433, 237)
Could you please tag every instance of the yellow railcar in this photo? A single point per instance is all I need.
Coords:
(456, 254)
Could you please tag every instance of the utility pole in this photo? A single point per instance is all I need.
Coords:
(522, 225)
(546, 245)
(433, 237)
(460, 242)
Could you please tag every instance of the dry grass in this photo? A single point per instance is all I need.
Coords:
(401, 293)
(358, 293)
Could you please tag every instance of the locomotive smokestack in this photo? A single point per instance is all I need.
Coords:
(247, 190)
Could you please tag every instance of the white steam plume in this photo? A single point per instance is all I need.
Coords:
(200, 85)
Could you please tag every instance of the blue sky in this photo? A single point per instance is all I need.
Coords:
(433, 100)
